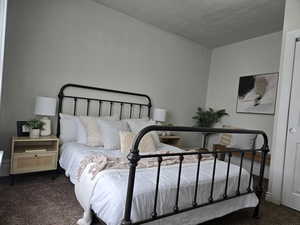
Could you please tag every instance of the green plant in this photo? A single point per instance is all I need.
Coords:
(35, 124)
(207, 118)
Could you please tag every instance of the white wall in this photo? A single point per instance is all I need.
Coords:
(291, 23)
(53, 42)
(228, 63)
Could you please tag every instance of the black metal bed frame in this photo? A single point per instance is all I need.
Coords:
(134, 156)
(100, 101)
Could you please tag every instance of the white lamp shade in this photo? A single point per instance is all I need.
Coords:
(45, 106)
(159, 115)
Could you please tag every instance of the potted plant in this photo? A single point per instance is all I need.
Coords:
(35, 126)
(207, 118)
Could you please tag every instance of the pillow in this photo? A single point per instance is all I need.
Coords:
(126, 141)
(110, 132)
(82, 135)
(225, 139)
(68, 128)
(71, 129)
(94, 137)
(137, 125)
(242, 141)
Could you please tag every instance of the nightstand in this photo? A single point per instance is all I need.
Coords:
(30, 155)
(171, 140)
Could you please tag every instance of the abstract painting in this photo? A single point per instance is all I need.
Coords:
(257, 94)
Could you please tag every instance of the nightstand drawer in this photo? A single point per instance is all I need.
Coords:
(32, 162)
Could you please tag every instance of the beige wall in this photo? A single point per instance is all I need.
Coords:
(228, 63)
(53, 42)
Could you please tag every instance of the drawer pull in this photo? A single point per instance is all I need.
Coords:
(35, 156)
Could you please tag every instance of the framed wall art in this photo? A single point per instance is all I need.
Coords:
(257, 94)
(22, 129)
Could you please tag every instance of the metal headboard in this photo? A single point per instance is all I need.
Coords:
(100, 101)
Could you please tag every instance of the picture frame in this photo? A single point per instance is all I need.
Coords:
(257, 94)
(22, 130)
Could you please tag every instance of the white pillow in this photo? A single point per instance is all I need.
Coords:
(71, 129)
(126, 140)
(110, 132)
(68, 128)
(242, 141)
(94, 137)
(137, 125)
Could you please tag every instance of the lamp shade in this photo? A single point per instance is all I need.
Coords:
(45, 106)
(159, 115)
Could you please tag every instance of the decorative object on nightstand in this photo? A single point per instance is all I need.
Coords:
(30, 155)
(45, 106)
(169, 133)
(171, 140)
(159, 115)
(22, 129)
(35, 126)
(207, 118)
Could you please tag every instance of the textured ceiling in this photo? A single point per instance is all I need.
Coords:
(211, 23)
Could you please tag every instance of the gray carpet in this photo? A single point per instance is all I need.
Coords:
(38, 200)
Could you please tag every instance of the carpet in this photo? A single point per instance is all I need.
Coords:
(38, 200)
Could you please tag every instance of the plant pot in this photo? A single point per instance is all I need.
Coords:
(34, 133)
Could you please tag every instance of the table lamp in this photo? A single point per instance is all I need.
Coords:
(159, 115)
(45, 106)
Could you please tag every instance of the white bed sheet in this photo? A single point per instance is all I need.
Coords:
(72, 153)
(108, 199)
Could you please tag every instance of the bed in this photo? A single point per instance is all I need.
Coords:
(179, 193)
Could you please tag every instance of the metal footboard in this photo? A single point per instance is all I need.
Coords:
(134, 158)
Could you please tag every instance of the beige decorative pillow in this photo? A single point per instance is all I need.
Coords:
(225, 139)
(94, 137)
(126, 140)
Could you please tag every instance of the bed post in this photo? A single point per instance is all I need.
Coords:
(60, 101)
(260, 188)
(133, 158)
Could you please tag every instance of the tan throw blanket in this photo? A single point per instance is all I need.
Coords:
(101, 162)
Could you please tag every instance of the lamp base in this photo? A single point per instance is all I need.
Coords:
(47, 126)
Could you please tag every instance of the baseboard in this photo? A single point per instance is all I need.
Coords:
(4, 170)
(270, 199)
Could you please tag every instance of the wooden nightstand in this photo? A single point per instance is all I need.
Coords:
(171, 140)
(248, 155)
(30, 155)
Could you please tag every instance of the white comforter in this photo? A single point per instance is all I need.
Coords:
(109, 193)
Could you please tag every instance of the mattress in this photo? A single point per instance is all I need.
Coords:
(108, 199)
